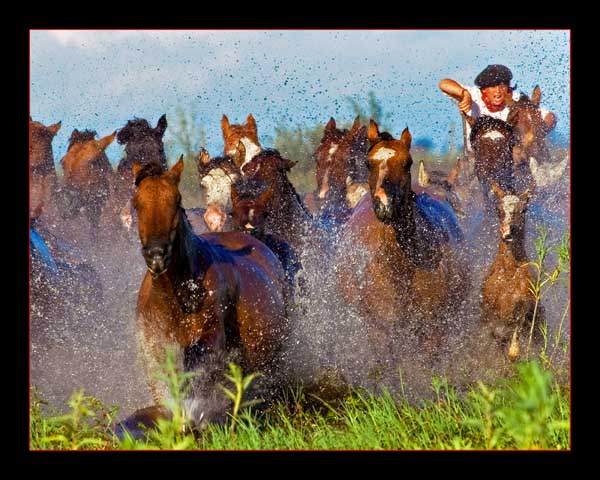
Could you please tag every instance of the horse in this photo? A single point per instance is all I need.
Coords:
(144, 145)
(396, 265)
(216, 177)
(531, 149)
(87, 176)
(508, 306)
(211, 297)
(336, 158)
(270, 202)
(43, 182)
(246, 134)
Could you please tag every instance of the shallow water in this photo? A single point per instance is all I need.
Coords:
(91, 344)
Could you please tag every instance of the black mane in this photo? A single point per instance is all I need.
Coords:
(81, 137)
(138, 127)
(149, 170)
(486, 123)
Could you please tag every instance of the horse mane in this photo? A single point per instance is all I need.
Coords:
(81, 136)
(215, 162)
(133, 128)
(149, 170)
(265, 153)
(485, 123)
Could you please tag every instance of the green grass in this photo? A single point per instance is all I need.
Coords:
(529, 410)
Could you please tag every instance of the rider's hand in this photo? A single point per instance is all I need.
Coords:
(464, 105)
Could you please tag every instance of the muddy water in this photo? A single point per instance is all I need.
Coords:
(90, 344)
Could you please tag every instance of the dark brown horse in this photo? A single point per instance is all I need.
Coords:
(337, 156)
(236, 134)
(207, 296)
(87, 176)
(143, 145)
(43, 182)
(395, 266)
(270, 202)
(508, 305)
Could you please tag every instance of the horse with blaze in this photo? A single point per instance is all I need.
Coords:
(396, 264)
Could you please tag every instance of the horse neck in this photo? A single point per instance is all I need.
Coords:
(288, 211)
(513, 254)
(189, 251)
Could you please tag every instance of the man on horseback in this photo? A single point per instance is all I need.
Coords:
(488, 97)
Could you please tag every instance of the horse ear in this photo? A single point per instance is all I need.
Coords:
(355, 125)
(330, 124)
(55, 128)
(203, 157)
(176, 170)
(423, 176)
(497, 190)
(225, 125)
(103, 143)
(136, 169)
(161, 126)
(30, 119)
(373, 132)
(536, 96)
(406, 137)
(251, 122)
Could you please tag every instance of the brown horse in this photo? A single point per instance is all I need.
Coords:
(508, 305)
(87, 176)
(43, 182)
(336, 157)
(395, 266)
(208, 296)
(531, 154)
(143, 145)
(246, 134)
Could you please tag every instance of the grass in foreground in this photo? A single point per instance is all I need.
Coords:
(528, 411)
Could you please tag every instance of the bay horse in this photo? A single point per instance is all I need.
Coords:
(209, 296)
(395, 265)
(246, 134)
(143, 145)
(43, 182)
(336, 158)
(87, 176)
(507, 304)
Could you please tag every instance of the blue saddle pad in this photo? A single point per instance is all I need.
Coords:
(441, 215)
(37, 243)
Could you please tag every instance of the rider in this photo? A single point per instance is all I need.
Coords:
(488, 96)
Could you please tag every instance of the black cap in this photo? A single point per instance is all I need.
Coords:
(493, 75)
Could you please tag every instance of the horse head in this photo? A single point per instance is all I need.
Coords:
(143, 144)
(246, 134)
(216, 177)
(511, 210)
(389, 163)
(40, 146)
(157, 201)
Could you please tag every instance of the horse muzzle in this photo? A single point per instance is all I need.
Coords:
(157, 259)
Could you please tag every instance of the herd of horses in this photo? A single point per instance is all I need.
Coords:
(222, 280)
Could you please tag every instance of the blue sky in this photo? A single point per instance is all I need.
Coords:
(100, 79)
